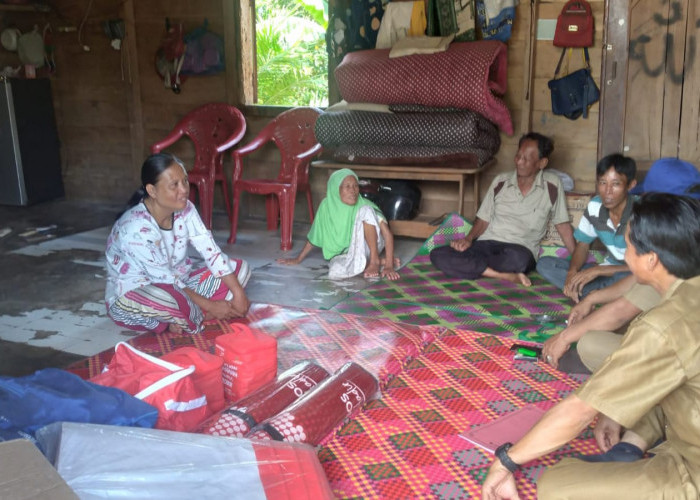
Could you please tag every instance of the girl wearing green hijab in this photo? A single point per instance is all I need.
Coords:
(351, 231)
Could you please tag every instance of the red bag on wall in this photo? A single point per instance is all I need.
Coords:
(167, 386)
(574, 25)
(250, 360)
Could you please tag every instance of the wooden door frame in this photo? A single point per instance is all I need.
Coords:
(613, 71)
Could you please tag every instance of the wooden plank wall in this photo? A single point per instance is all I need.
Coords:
(111, 105)
(575, 142)
(89, 99)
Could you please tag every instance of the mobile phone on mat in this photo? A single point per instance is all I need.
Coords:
(528, 352)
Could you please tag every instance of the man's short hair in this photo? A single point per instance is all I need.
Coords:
(545, 146)
(668, 225)
(623, 165)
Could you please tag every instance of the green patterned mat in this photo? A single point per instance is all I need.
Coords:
(425, 296)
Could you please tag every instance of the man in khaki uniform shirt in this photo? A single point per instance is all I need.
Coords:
(595, 333)
(651, 384)
(504, 241)
(597, 345)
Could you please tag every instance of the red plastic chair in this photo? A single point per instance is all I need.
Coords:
(213, 128)
(293, 134)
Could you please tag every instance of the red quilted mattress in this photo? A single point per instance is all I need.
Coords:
(467, 75)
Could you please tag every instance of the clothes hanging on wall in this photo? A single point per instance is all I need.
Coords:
(401, 20)
(447, 17)
(353, 28)
(496, 18)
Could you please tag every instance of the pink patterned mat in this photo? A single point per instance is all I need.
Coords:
(407, 444)
(436, 383)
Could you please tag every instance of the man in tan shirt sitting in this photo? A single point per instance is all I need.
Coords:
(650, 385)
(511, 221)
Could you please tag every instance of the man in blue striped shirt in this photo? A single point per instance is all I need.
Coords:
(605, 219)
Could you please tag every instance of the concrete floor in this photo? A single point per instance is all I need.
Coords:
(52, 286)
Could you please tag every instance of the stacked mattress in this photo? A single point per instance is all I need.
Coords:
(442, 107)
(412, 138)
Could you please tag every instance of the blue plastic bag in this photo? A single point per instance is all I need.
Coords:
(204, 52)
(53, 395)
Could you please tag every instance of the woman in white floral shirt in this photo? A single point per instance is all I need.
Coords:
(152, 284)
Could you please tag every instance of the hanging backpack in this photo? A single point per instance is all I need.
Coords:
(574, 25)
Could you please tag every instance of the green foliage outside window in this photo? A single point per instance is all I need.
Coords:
(291, 52)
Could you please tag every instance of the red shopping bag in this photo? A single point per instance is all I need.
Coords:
(167, 386)
(250, 360)
(207, 373)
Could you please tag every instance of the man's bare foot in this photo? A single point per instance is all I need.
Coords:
(173, 328)
(517, 278)
(372, 270)
(397, 262)
(522, 279)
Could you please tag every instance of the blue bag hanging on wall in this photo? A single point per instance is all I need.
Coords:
(53, 395)
(574, 93)
(204, 52)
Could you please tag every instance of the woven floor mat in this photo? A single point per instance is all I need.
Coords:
(421, 283)
(407, 444)
(425, 296)
(328, 338)
(415, 314)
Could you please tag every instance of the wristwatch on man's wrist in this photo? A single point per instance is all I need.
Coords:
(502, 455)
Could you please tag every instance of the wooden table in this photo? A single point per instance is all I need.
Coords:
(420, 227)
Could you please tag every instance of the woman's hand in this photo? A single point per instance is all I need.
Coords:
(297, 260)
(239, 304)
(554, 348)
(220, 309)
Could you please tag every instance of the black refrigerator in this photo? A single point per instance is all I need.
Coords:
(30, 162)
